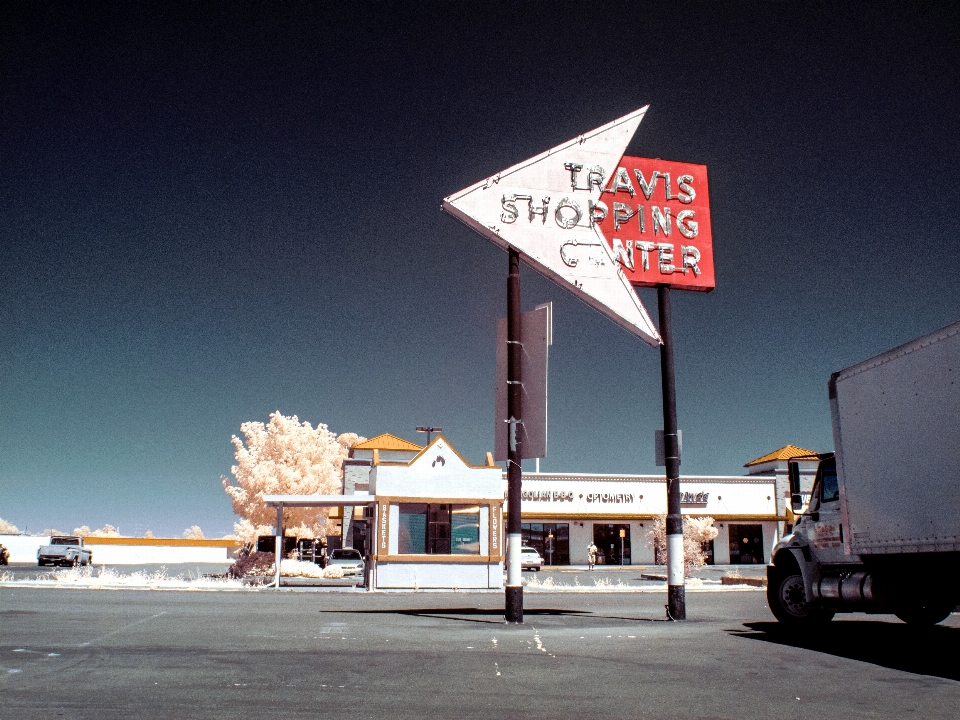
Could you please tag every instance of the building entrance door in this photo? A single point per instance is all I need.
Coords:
(613, 543)
(551, 540)
(360, 530)
(746, 544)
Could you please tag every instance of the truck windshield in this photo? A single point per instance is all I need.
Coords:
(65, 541)
(831, 487)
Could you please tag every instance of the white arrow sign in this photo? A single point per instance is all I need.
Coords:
(548, 208)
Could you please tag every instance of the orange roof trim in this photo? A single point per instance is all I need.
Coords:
(387, 442)
(787, 452)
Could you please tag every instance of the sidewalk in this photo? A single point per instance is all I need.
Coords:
(707, 572)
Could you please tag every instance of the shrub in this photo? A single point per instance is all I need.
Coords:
(296, 568)
(256, 563)
(333, 571)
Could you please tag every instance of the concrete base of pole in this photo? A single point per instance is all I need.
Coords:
(514, 605)
(676, 603)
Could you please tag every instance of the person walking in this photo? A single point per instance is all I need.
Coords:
(591, 555)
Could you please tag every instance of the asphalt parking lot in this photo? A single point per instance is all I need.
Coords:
(293, 653)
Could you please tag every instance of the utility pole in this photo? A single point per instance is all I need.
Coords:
(514, 591)
(429, 430)
(676, 599)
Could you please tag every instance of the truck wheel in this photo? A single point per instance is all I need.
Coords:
(924, 614)
(788, 602)
(41, 563)
(76, 561)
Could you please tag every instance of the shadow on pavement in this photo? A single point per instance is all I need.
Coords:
(923, 651)
(486, 615)
(470, 614)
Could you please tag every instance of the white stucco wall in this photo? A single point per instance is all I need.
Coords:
(147, 554)
(439, 575)
(23, 549)
(583, 496)
(438, 473)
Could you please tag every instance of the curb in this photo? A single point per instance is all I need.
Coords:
(753, 581)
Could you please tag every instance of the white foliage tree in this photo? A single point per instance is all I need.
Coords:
(284, 457)
(7, 528)
(696, 532)
(105, 531)
(193, 533)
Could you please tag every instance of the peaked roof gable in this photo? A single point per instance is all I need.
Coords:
(386, 441)
(440, 453)
(787, 452)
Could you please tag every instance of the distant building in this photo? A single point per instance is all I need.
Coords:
(776, 463)
(356, 479)
(562, 513)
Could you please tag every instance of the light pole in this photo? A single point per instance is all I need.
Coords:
(429, 429)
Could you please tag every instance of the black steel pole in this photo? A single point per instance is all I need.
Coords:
(676, 599)
(514, 593)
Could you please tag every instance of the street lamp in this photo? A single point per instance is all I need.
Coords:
(429, 429)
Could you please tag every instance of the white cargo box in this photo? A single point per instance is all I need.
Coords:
(896, 431)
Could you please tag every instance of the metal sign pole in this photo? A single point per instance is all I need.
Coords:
(676, 600)
(278, 547)
(514, 590)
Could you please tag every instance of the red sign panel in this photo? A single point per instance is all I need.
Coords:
(655, 216)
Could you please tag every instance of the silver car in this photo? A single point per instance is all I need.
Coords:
(348, 560)
(530, 559)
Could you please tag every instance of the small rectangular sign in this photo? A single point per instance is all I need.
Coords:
(660, 447)
(494, 543)
(536, 328)
(655, 217)
(383, 528)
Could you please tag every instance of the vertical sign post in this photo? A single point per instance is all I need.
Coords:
(514, 594)
(676, 595)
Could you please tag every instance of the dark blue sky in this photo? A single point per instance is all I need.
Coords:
(218, 210)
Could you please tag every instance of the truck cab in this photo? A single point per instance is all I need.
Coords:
(64, 550)
(813, 575)
(881, 533)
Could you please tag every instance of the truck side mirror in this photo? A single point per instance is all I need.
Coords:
(796, 502)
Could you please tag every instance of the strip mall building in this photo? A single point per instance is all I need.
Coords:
(562, 513)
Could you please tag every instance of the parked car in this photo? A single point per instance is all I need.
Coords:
(530, 559)
(348, 560)
(64, 550)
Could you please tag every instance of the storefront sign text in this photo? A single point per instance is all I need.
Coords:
(546, 495)
(617, 498)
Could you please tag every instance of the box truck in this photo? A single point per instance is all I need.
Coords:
(881, 531)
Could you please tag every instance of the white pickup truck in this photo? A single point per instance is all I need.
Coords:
(881, 533)
(64, 550)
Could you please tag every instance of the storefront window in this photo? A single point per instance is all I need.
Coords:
(439, 529)
(551, 540)
(413, 529)
(707, 548)
(746, 544)
(465, 530)
(613, 543)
